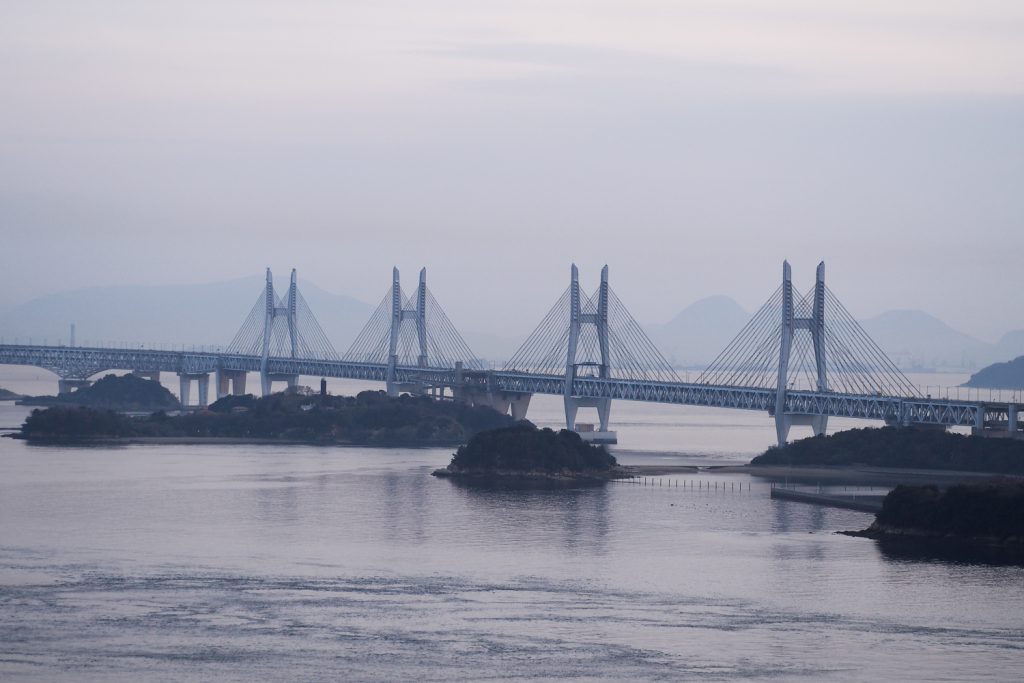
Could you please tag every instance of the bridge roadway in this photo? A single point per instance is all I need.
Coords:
(84, 362)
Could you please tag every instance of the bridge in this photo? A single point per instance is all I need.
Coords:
(801, 358)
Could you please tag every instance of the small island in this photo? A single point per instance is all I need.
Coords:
(125, 393)
(371, 418)
(987, 513)
(903, 447)
(526, 454)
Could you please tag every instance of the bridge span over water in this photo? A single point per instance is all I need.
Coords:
(800, 358)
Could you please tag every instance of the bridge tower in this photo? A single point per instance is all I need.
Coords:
(399, 312)
(410, 338)
(577, 319)
(593, 349)
(287, 313)
(278, 330)
(813, 325)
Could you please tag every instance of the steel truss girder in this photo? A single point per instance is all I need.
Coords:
(82, 362)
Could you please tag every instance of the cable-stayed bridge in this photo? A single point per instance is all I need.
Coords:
(801, 358)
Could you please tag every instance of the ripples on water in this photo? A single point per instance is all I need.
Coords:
(243, 563)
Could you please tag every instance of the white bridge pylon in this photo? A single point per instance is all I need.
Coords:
(805, 343)
(813, 325)
(408, 333)
(590, 338)
(276, 327)
(798, 358)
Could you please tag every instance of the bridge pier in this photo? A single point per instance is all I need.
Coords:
(1011, 422)
(817, 423)
(573, 404)
(267, 382)
(153, 375)
(185, 388)
(979, 421)
(519, 405)
(67, 385)
(504, 402)
(230, 382)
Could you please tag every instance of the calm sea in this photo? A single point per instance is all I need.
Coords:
(245, 563)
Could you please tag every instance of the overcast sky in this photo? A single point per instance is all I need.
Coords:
(690, 145)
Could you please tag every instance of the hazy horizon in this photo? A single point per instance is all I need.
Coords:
(408, 283)
(691, 147)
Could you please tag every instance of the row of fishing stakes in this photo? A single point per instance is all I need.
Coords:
(674, 483)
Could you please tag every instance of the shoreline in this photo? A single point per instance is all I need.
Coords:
(859, 474)
(847, 473)
(899, 534)
(224, 440)
(584, 477)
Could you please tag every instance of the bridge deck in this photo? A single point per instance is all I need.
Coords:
(82, 362)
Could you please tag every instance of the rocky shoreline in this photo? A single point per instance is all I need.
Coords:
(564, 476)
(887, 532)
(222, 440)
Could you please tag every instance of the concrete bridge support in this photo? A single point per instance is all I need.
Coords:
(815, 326)
(603, 406)
(477, 389)
(230, 382)
(504, 402)
(1012, 421)
(267, 382)
(67, 385)
(185, 388)
(519, 405)
(817, 423)
(153, 375)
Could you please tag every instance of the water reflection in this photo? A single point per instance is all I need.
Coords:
(949, 552)
(561, 517)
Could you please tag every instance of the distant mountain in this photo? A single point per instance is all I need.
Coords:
(210, 314)
(1010, 346)
(1008, 375)
(915, 339)
(698, 333)
(207, 314)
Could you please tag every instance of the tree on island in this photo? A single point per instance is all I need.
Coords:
(990, 510)
(369, 418)
(907, 447)
(112, 392)
(523, 448)
(76, 423)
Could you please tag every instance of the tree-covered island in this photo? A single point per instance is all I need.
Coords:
(989, 512)
(127, 393)
(371, 418)
(524, 452)
(908, 447)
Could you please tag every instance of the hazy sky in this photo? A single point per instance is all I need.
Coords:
(690, 145)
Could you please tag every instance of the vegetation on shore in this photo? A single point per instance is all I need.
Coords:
(127, 393)
(523, 450)
(990, 511)
(7, 395)
(1008, 375)
(372, 417)
(904, 448)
